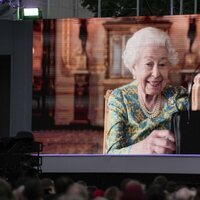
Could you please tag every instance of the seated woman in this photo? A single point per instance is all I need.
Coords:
(140, 112)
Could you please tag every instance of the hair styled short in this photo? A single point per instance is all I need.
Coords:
(146, 37)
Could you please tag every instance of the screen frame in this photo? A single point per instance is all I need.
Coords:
(167, 164)
(99, 163)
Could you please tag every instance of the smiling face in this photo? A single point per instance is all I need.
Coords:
(152, 69)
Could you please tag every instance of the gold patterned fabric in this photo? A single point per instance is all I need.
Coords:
(127, 124)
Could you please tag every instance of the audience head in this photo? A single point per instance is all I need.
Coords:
(155, 192)
(128, 181)
(62, 184)
(77, 189)
(5, 190)
(48, 186)
(184, 193)
(112, 193)
(171, 186)
(70, 197)
(31, 188)
(161, 180)
(99, 198)
(133, 192)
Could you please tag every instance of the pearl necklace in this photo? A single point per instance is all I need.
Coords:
(156, 110)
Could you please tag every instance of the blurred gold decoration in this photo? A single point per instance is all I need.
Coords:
(80, 80)
(81, 60)
(191, 60)
(198, 54)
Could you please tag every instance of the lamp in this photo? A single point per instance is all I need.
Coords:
(31, 13)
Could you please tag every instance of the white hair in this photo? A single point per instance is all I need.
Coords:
(146, 37)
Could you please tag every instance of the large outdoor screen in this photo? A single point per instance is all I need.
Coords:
(75, 61)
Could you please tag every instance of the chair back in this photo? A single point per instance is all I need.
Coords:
(106, 113)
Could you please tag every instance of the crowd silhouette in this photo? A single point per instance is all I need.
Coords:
(65, 188)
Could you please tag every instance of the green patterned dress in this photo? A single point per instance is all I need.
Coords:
(127, 124)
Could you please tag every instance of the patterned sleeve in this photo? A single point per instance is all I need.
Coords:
(117, 118)
(182, 101)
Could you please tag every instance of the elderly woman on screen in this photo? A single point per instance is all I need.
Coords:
(140, 112)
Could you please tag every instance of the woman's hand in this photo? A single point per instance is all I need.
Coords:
(158, 142)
